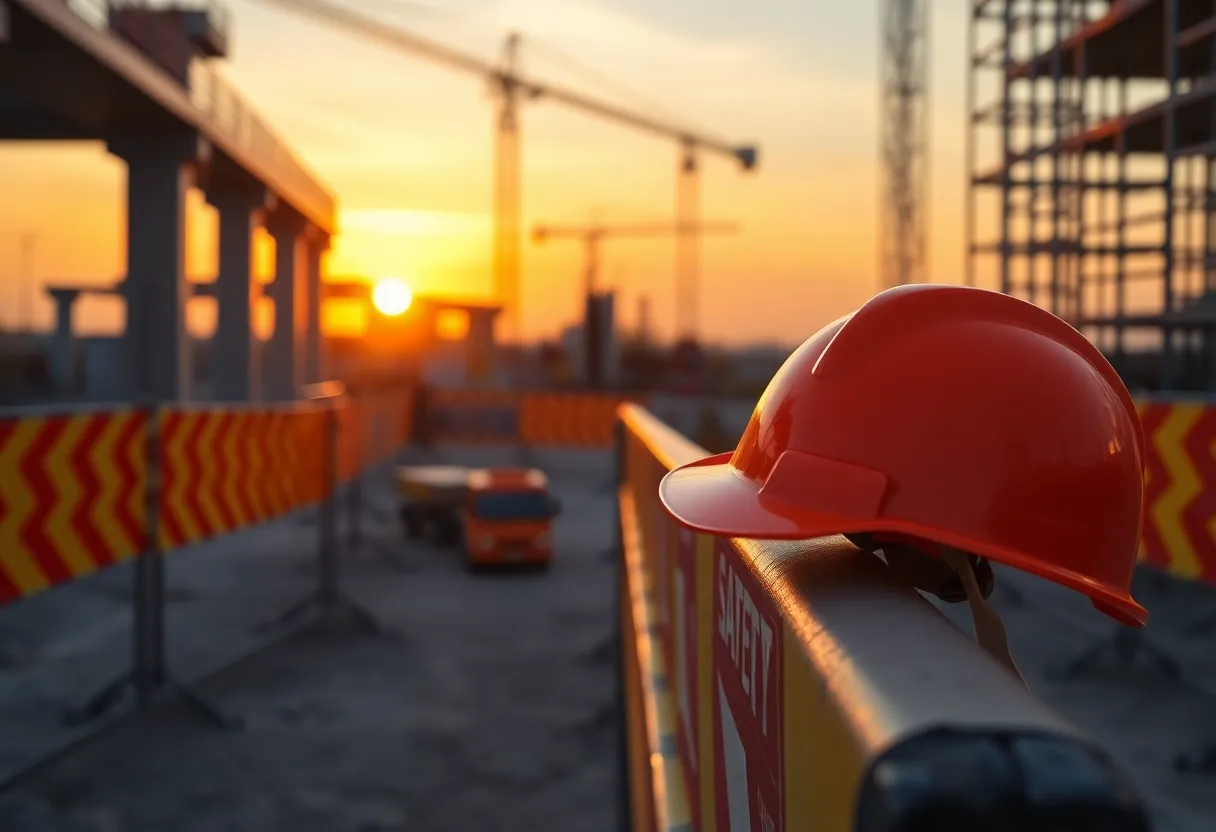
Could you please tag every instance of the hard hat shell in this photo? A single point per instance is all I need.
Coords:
(954, 416)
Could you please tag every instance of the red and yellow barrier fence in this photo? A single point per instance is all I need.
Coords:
(571, 420)
(798, 686)
(73, 496)
(373, 424)
(563, 420)
(224, 470)
(1180, 485)
(473, 416)
(74, 487)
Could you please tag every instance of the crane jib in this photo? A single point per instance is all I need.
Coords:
(506, 78)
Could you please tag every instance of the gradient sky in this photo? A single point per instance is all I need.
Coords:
(407, 147)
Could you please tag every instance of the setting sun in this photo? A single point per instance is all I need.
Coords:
(391, 296)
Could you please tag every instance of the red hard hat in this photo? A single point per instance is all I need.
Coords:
(949, 415)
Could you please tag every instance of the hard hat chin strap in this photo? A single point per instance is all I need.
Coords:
(989, 629)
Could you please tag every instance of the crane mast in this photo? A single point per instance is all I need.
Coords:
(507, 202)
(905, 134)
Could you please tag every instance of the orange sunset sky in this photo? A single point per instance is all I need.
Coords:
(407, 147)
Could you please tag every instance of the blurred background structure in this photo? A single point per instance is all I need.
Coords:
(163, 246)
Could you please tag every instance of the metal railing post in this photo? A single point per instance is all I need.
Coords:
(327, 602)
(148, 619)
(327, 555)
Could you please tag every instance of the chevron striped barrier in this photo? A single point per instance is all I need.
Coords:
(797, 686)
(474, 416)
(572, 420)
(73, 497)
(569, 420)
(1180, 488)
(223, 470)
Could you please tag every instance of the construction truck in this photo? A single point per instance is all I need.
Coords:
(498, 516)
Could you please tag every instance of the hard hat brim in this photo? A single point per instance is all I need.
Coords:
(710, 496)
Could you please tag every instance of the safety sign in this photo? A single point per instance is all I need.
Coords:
(747, 700)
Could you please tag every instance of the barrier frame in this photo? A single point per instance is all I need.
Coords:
(327, 603)
(892, 716)
(148, 676)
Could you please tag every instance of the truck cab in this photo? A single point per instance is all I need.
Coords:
(507, 517)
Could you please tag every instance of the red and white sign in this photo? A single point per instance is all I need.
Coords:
(747, 700)
(684, 662)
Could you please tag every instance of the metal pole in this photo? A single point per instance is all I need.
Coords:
(687, 265)
(1168, 359)
(26, 302)
(148, 643)
(327, 558)
(969, 149)
(1006, 140)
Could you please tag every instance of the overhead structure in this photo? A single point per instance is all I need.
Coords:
(592, 236)
(1097, 196)
(905, 137)
(511, 87)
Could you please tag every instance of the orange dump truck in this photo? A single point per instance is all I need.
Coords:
(497, 515)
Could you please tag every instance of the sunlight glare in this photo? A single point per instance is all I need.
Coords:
(391, 296)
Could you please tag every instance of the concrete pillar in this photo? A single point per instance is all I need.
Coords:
(316, 362)
(63, 343)
(160, 170)
(235, 355)
(285, 358)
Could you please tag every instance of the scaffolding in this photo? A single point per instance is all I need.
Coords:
(1090, 144)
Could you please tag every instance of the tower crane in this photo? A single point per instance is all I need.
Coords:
(592, 236)
(511, 88)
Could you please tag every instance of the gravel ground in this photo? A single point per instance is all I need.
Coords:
(492, 706)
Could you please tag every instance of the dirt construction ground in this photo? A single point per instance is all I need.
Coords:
(491, 706)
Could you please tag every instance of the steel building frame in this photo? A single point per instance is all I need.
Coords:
(1101, 117)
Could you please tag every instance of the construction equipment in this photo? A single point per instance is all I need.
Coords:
(905, 141)
(511, 87)
(499, 516)
(592, 236)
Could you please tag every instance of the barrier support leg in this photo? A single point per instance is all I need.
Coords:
(163, 680)
(148, 676)
(328, 605)
(1126, 645)
(140, 676)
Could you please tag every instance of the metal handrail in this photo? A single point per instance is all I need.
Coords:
(866, 675)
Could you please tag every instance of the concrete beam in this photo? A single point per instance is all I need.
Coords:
(161, 168)
(235, 351)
